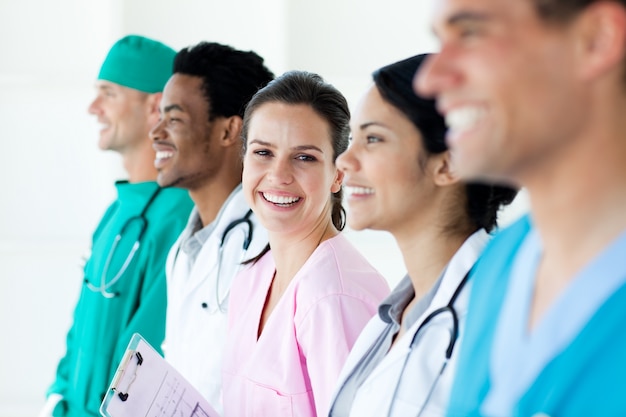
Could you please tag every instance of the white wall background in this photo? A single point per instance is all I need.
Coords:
(55, 183)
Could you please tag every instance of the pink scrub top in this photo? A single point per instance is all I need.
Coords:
(292, 368)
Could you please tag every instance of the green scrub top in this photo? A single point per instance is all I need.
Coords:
(102, 326)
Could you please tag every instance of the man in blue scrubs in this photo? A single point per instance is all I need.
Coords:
(123, 290)
(534, 93)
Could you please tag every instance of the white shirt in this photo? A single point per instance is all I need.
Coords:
(197, 298)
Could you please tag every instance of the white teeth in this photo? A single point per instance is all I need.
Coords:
(358, 190)
(464, 118)
(280, 199)
(164, 154)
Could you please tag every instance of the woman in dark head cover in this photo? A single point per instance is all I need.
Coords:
(398, 178)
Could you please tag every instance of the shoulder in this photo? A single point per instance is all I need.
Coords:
(500, 252)
(590, 367)
(338, 254)
(169, 213)
(338, 269)
(106, 218)
(175, 199)
(491, 275)
(510, 237)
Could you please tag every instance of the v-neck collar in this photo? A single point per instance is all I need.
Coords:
(519, 355)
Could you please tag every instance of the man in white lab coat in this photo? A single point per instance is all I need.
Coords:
(198, 147)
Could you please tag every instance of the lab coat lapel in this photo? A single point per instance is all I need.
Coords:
(455, 271)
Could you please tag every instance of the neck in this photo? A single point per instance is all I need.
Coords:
(210, 198)
(426, 250)
(578, 198)
(576, 220)
(139, 164)
(290, 253)
(431, 236)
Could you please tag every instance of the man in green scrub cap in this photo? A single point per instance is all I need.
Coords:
(124, 288)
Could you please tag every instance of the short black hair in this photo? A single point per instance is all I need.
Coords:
(229, 77)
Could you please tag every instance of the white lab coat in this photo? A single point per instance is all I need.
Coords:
(375, 394)
(196, 325)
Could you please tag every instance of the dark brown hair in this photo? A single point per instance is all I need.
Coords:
(300, 87)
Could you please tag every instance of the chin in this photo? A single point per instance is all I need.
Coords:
(164, 182)
(356, 225)
(103, 145)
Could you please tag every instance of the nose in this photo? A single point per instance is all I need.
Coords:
(437, 74)
(347, 161)
(281, 171)
(95, 108)
(157, 132)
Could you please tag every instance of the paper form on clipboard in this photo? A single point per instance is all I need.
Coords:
(145, 384)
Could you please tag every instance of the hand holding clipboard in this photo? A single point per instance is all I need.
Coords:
(146, 385)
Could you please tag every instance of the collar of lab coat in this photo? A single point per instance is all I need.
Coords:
(462, 261)
(204, 269)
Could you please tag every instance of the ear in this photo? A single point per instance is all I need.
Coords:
(232, 131)
(337, 182)
(602, 30)
(440, 166)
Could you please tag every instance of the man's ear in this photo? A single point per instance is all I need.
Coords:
(232, 131)
(442, 169)
(602, 38)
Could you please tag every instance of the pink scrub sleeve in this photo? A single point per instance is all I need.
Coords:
(325, 335)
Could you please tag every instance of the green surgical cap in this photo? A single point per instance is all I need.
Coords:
(139, 63)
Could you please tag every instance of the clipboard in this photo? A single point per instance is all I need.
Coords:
(145, 384)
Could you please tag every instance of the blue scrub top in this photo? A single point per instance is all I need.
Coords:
(571, 364)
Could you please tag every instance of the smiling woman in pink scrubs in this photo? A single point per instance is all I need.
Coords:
(296, 311)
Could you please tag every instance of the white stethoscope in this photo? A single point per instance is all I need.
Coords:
(454, 334)
(104, 286)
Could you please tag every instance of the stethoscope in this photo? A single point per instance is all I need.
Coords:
(244, 221)
(454, 334)
(104, 286)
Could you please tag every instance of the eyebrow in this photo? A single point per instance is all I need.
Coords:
(374, 123)
(171, 107)
(296, 148)
(460, 17)
(463, 17)
(105, 87)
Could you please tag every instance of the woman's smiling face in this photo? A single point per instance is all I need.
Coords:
(289, 173)
(385, 185)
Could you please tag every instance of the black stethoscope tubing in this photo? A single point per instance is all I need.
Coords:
(454, 334)
(245, 220)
